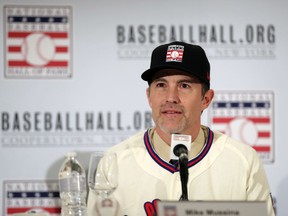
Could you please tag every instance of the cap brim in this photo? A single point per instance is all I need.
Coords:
(149, 74)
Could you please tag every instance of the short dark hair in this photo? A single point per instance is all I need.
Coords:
(205, 88)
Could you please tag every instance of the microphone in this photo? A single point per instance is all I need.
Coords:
(180, 146)
(181, 151)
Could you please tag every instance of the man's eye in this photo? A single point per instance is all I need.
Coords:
(160, 84)
(185, 85)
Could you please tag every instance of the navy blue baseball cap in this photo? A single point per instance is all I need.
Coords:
(182, 56)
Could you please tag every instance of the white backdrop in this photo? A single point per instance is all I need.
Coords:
(95, 97)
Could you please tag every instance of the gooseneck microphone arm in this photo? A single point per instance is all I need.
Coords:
(181, 151)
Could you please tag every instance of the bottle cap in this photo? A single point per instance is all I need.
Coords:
(71, 154)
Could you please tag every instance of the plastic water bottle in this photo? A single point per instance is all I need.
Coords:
(72, 185)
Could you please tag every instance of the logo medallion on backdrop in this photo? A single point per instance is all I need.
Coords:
(247, 117)
(38, 41)
(31, 197)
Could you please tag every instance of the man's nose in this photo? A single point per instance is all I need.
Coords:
(173, 96)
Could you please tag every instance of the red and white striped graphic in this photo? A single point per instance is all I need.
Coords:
(47, 211)
(22, 196)
(246, 117)
(30, 49)
(175, 53)
(254, 131)
(38, 41)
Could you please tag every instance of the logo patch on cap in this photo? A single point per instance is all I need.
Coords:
(175, 53)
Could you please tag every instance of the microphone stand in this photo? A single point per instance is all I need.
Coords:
(180, 150)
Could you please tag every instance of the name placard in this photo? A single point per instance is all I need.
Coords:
(212, 208)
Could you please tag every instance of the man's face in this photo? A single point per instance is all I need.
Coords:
(176, 101)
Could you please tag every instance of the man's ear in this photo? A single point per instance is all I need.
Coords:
(208, 97)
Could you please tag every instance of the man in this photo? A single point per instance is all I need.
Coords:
(220, 168)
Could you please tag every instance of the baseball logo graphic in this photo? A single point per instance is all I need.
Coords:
(38, 45)
(174, 54)
(31, 197)
(243, 129)
(38, 49)
(246, 117)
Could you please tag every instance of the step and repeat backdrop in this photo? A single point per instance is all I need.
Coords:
(70, 81)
